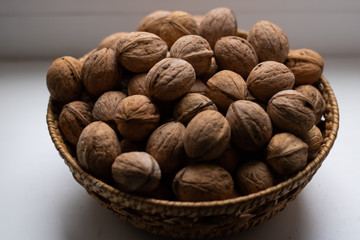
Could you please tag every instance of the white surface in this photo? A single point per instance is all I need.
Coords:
(40, 200)
(48, 28)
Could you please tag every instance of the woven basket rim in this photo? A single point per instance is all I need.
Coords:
(330, 136)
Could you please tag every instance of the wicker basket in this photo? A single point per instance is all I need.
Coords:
(200, 220)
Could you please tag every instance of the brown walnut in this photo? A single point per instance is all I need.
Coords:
(152, 22)
(97, 148)
(63, 79)
(111, 40)
(210, 72)
(269, 41)
(198, 87)
(203, 182)
(136, 85)
(229, 159)
(314, 139)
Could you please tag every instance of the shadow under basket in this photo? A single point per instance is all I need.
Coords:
(200, 220)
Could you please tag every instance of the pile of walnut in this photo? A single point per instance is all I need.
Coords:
(190, 108)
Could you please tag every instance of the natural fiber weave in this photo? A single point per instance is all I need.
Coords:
(200, 220)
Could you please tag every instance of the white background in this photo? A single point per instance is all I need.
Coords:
(40, 200)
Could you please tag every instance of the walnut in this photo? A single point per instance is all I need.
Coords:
(74, 117)
(97, 148)
(198, 19)
(251, 127)
(253, 176)
(268, 78)
(210, 72)
(139, 51)
(286, 154)
(136, 85)
(317, 100)
(176, 25)
(190, 105)
(229, 159)
(206, 136)
(242, 33)
(269, 41)
(235, 54)
(63, 79)
(169, 79)
(217, 23)
(100, 72)
(198, 87)
(86, 55)
(203, 182)
(152, 22)
(306, 64)
(136, 172)
(111, 40)
(195, 50)
(314, 139)
(166, 145)
(224, 88)
(106, 105)
(291, 111)
(136, 117)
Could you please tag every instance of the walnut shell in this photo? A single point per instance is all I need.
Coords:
(224, 88)
(136, 85)
(317, 100)
(206, 136)
(235, 54)
(229, 159)
(198, 87)
(253, 176)
(136, 117)
(291, 111)
(139, 51)
(190, 105)
(136, 172)
(286, 154)
(203, 182)
(105, 107)
(306, 64)
(63, 79)
(166, 145)
(195, 50)
(198, 19)
(268, 78)
(100, 72)
(242, 33)
(169, 79)
(97, 148)
(210, 72)
(111, 40)
(314, 139)
(152, 22)
(73, 118)
(251, 127)
(269, 41)
(176, 25)
(217, 23)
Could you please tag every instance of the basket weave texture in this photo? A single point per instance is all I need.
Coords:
(199, 220)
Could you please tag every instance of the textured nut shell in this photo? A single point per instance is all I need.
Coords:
(97, 148)
(198, 19)
(198, 87)
(195, 50)
(106, 105)
(166, 145)
(176, 25)
(169, 79)
(139, 51)
(152, 22)
(242, 33)
(136, 172)
(136, 85)
(314, 139)
(206, 136)
(136, 117)
(235, 54)
(203, 182)
(190, 105)
(74, 117)
(316, 99)
(268, 78)
(286, 154)
(269, 41)
(86, 55)
(306, 64)
(224, 88)
(291, 111)
(217, 23)
(251, 127)
(63, 79)
(211, 71)
(100, 72)
(253, 176)
(111, 40)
